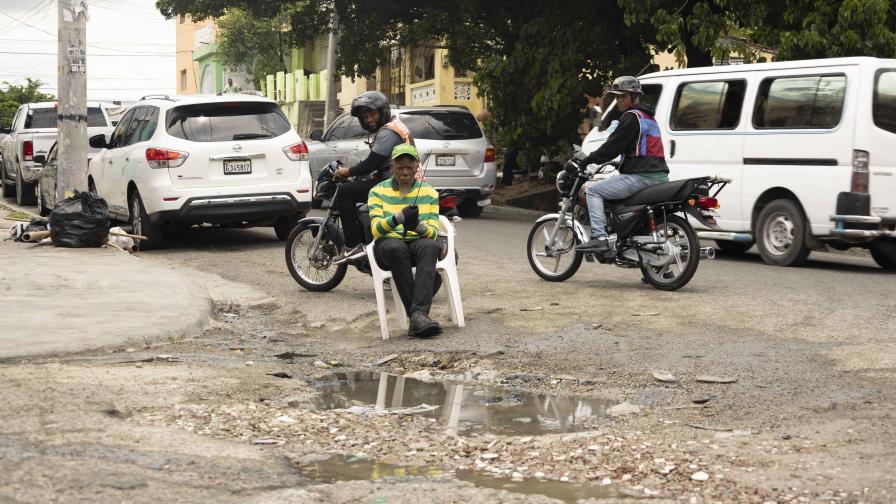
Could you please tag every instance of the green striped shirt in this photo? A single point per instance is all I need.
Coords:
(385, 200)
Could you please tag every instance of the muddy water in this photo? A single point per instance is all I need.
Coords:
(337, 468)
(461, 407)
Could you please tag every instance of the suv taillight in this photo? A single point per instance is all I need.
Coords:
(165, 158)
(489, 155)
(297, 152)
(28, 150)
(859, 182)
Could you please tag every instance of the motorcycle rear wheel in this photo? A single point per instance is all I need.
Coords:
(545, 259)
(683, 240)
(316, 274)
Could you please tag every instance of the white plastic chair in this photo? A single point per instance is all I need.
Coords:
(446, 268)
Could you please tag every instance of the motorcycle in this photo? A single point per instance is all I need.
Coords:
(315, 241)
(648, 230)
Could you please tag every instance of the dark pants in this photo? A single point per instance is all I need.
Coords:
(400, 256)
(347, 196)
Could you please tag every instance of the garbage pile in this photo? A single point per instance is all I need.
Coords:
(80, 221)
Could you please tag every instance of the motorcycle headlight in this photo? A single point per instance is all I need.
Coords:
(564, 182)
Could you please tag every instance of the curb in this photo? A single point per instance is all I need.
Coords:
(508, 211)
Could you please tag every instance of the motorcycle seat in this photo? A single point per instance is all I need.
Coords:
(659, 193)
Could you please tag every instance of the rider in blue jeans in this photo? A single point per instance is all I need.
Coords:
(638, 140)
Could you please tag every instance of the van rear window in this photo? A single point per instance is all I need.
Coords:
(885, 100)
(46, 118)
(812, 101)
(441, 125)
(221, 122)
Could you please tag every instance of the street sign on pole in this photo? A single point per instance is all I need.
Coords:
(72, 101)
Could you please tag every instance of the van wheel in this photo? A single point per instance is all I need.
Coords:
(733, 247)
(24, 192)
(781, 234)
(470, 208)
(884, 253)
(140, 225)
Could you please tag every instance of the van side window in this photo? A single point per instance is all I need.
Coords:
(708, 105)
(650, 98)
(884, 106)
(812, 101)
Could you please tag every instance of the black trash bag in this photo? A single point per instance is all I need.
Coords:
(37, 224)
(80, 221)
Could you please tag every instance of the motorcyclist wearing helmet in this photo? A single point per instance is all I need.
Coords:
(637, 138)
(373, 111)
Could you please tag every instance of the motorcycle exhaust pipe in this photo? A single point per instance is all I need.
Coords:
(707, 253)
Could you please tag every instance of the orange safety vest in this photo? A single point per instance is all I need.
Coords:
(402, 130)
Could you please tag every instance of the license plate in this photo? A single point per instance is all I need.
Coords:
(445, 160)
(237, 166)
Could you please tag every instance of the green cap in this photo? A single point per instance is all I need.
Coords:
(405, 149)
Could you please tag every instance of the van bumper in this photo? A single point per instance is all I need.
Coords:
(854, 221)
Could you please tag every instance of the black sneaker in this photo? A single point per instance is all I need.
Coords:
(421, 326)
(349, 253)
(597, 244)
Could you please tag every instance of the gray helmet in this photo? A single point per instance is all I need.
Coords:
(372, 100)
(625, 85)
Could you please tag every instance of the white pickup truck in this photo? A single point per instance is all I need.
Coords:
(32, 133)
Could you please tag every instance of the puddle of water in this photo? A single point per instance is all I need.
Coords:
(346, 468)
(460, 407)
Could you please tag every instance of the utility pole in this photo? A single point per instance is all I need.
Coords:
(72, 101)
(331, 102)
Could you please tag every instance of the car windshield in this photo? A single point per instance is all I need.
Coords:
(46, 118)
(442, 125)
(220, 122)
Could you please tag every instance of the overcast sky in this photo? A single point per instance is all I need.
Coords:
(130, 47)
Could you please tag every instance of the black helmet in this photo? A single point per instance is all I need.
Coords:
(372, 100)
(626, 85)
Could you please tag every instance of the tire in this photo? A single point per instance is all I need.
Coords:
(24, 192)
(8, 189)
(565, 242)
(884, 253)
(141, 225)
(781, 234)
(733, 247)
(677, 274)
(284, 225)
(42, 209)
(470, 208)
(318, 274)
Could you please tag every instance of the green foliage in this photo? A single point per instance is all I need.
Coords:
(15, 95)
(256, 44)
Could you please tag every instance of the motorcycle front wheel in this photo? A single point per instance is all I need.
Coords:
(313, 270)
(677, 266)
(557, 260)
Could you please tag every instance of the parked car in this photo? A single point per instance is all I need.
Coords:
(802, 140)
(32, 133)
(454, 150)
(231, 160)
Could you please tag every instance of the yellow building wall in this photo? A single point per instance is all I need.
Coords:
(187, 69)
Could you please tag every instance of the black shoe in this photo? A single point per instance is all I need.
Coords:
(596, 245)
(350, 253)
(421, 326)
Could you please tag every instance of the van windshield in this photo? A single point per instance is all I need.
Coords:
(884, 105)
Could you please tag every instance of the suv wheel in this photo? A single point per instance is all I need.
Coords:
(284, 226)
(24, 192)
(42, 209)
(140, 224)
(470, 208)
(9, 190)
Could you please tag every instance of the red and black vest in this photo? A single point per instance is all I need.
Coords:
(646, 154)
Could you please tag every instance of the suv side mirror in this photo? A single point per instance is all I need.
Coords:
(5, 129)
(317, 135)
(40, 159)
(98, 141)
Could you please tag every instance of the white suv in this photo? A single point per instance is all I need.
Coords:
(175, 162)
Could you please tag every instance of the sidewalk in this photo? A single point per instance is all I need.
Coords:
(56, 300)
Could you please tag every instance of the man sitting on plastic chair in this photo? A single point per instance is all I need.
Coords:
(404, 219)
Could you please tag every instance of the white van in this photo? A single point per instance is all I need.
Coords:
(806, 143)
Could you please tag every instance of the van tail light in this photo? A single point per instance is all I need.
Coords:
(165, 158)
(489, 155)
(707, 203)
(297, 152)
(28, 150)
(859, 182)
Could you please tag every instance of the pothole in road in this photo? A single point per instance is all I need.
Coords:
(459, 407)
(336, 468)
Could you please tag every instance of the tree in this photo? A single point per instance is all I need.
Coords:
(15, 95)
(260, 45)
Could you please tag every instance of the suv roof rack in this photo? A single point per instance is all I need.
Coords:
(158, 96)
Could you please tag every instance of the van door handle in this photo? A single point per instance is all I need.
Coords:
(671, 148)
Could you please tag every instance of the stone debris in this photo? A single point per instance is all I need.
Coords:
(321, 364)
(699, 476)
(622, 409)
(664, 376)
(534, 308)
(715, 379)
(386, 359)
